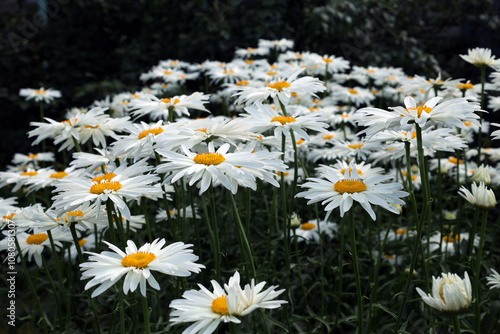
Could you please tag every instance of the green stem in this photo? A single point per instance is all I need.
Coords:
(145, 311)
(215, 231)
(246, 248)
(32, 287)
(480, 133)
(456, 324)
(144, 205)
(356, 271)
(477, 305)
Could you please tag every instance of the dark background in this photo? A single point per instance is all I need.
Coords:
(88, 49)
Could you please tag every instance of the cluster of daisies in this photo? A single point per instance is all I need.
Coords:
(257, 125)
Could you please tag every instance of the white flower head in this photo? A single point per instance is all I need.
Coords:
(481, 196)
(450, 293)
(136, 265)
(481, 57)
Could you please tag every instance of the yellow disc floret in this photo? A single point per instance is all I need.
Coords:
(279, 85)
(284, 119)
(140, 260)
(349, 186)
(209, 158)
(58, 175)
(420, 109)
(308, 226)
(100, 188)
(29, 173)
(37, 239)
(219, 305)
(105, 177)
(155, 131)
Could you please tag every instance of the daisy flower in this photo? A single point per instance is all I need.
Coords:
(493, 279)
(41, 94)
(107, 268)
(229, 169)
(340, 192)
(279, 44)
(265, 117)
(207, 309)
(450, 293)
(309, 231)
(33, 244)
(280, 90)
(481, 57)
(115, 186)
(32, 159)
(481, 196)
(161, 108)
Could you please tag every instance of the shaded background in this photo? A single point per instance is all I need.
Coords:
(89, 49)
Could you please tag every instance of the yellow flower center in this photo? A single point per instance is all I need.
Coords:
(390, 257)
(219, 305)
(308, 226)
(467, 123)
(58, 175)
(33, 156)
(354, 146)
(374, 91)
(167, 72)
(91, 126)
(40, 91)
(202, 130)
(105, 177)
(37, 239)
(327, 60)
(82, 242)
(140, 260)
(155, 131)
(284, 119)
(465, 86)
(370, 70)
(390, 78)
(284, 174)
(451, 238)
(349, 186)
(9, 216)
(103, 186)
(243, 83)
(29, 173)
(420, 109)
(249, 61)
(272, 73)
(353, 91)
(279, 85)
(350, 170)
(209, 158)
(76, 213)
(400, 231)
(454, 160)
(301, 141)
(228, 71)
(328, 136)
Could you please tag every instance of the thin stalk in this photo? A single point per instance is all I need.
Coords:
(59, 274)
(246, 248)
(32, 287)
(145, 311)
(144, 205)
(356, 271)
(341, 269)
(480, 133)
(456, 324)
(477, 305)
(54, 291)
(215, 234)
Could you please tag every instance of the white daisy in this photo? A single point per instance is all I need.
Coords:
(309, 231)
(481, 57)
(335, 191)
(122, 183)
(107, 268)
(207, 309)
(281, 90)
(493, 279)
(450, 293)
(41, 94)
